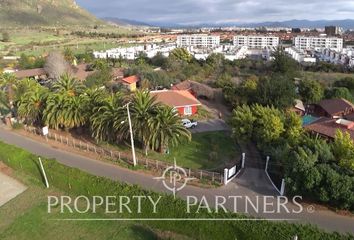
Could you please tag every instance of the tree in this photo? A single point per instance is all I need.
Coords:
(29, 62)
(283, 64)
(56, 65)
(268, 124)
(107, 117)
(216, 61)
(99, 78)
(143, 109)
(158, 79)
(32, 104)
(311, 91)
(65, 111)
(68, 85)
(347, 82)
(294, 129)
(141, 58)
(167, 129)
(277, 90)
(5, 37)
(246, 91)
(181, 54)
(159, 60)
(343, 149)
(339, 92)
(69, 55)
(8, 82)
(67, 106)
(302, 175)
(242, 123)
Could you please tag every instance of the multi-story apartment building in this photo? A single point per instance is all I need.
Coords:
(256, 41)
(198, 40)
(318, 43)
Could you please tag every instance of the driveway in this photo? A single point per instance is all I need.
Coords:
(211, 126)
(9, 188)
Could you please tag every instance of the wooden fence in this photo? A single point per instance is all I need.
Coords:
(155, 165)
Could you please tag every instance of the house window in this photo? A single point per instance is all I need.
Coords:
(188, 110)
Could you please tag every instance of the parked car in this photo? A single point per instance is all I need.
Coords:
(189, 123)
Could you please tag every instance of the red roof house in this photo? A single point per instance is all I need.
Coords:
(181, 100)
(131, 82)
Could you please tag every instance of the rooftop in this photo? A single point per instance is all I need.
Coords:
(175, 98)
(131, 79)
(328, 127)
(334, 106)
(30, 73)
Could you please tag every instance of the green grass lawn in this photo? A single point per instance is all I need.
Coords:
(206, 151)
(26, 217)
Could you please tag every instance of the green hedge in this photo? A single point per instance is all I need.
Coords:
(76, 182)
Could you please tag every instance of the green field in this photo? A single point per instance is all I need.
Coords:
(43, 40)
(325, 78)
(209, 150)
(26, 218)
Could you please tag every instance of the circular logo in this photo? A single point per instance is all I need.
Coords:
(171, 176)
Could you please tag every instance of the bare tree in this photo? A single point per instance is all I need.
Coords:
(202, 90)
(56, 65)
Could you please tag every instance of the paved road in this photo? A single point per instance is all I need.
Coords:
(248, 184)
(211, 126)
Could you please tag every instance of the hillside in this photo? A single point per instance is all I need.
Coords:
(43, 13)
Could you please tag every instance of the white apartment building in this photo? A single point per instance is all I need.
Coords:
(256, 41)
(131, 53)
(300, 56)
(318, 43)
(198, 40)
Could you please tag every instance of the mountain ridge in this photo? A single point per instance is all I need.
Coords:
(44, 13)
(294, 23)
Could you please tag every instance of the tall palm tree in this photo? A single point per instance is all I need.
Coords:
(143, 109)
(63, 111)
(68, 85)
(167, 129)
(106, 120)
(24, 86)
(31, 104)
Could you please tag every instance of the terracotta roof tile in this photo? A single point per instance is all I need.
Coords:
(175, 98)
(131, 79)
(328, 127)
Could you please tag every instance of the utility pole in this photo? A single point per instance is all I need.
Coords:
(131, 135)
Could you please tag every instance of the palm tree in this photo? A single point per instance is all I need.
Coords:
(106, 120)
(63, 111)
(68, 85)
(31, 104)
(8, 82)
(143, 109)
(24, 86)
(167, 129)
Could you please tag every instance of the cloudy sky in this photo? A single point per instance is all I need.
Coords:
(220, 11)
